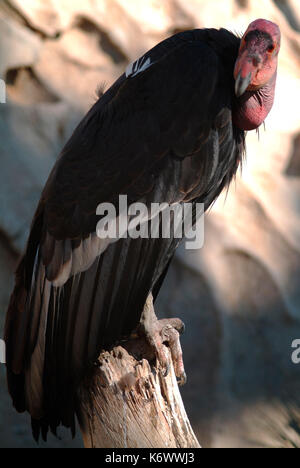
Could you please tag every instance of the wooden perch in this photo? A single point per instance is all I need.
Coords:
(129, 404)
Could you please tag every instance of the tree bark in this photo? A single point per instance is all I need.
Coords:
(127, 403)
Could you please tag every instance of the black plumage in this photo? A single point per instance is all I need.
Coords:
(163, 133)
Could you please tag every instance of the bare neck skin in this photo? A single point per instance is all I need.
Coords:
(253, 106)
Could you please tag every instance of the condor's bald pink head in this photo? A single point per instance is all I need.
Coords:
(256, 64)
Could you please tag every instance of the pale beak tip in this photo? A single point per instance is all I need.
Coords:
(241, 84)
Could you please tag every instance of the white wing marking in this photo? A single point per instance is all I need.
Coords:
(137, 67)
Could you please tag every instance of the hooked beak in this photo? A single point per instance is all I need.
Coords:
(245, 71)
(241, 84)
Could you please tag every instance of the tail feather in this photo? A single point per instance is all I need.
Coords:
(15, 348)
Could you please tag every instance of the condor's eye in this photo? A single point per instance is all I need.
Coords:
(271, 48)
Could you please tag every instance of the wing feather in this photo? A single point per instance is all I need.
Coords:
(163, 134)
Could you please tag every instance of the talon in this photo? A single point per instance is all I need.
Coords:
(182, 330)
(167, 370)
(157, 333)
(182, 379)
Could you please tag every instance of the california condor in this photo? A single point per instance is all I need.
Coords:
(170, 129)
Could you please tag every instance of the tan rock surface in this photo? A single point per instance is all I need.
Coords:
(18, 46)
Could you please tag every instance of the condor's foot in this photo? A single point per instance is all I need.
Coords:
(162, 333)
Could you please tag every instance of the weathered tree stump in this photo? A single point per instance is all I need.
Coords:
(129, 404)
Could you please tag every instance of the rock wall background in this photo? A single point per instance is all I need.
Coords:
(239, 295)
